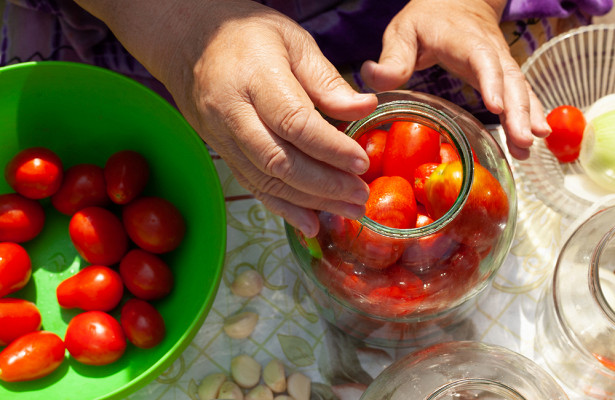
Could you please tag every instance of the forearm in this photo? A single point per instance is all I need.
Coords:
(149, 29)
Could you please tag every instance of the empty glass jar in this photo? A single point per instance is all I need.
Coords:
(575, 317)
(464, 370)
(408, 287)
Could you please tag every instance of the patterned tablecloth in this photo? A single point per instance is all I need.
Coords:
(290, 329)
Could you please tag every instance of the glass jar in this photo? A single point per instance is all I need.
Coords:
(464, 370)
(409, 287)
(575, 323)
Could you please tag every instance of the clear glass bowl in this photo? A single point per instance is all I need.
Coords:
(575, 68)
(408, 287)
(464, 370)
(575, 320)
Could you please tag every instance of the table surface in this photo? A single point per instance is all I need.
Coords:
(290, 329)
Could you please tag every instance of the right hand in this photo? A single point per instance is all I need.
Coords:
(249, 80)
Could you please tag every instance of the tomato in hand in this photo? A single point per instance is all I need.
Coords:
(154, 224)
(98, 235)
(17, 317)
(146, 275)
(126, 175)
(95, 287)
(485, 211)
(567, 126)
(142, 323)
(83, 186)
(15, 268)
(31, 356)
(21, 218)
(408, 145)
(373, 142)
(35, 172)
(391, 202)
(95, 338)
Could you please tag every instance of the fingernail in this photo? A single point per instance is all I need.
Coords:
(528, 135)
(352, 211)
(546, 127)
(497, 100)
(308, 231)
(360, 196)
(359, 166)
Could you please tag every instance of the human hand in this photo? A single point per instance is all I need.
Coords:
(464, 37)
(248, 80)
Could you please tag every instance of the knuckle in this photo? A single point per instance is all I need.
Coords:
(293, 120)
(279, 165)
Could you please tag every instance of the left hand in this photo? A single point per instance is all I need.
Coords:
(465, 38)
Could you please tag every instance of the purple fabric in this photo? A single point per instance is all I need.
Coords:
(347, 31)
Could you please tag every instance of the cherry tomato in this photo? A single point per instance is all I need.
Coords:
(373, 142)
(15, 268)
(83, 186)
(95, 287)
(154, 224)
(31, 356)
(35, 172)
(126, 174)
(485, 211)
(400, 296)
(95, 338)
(21, 218)
(421, 175)
(146, 275)
(448, 153)
(17, 317)
(408, 145)
(391, 202)
(98, 235)
(567, 125)
(142, 323)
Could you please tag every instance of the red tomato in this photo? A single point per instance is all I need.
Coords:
(154, 224)
(400, 296)
(146, 275)
(17, 317)
(142, 323)
(21, 218)
(126, 174)
(448, 153)
(15, 268)
(93, 288)
(373, 142)
(567, 125)
(391, 202)
(485, 211)
(409, 144)
(31, 356)
(83, 186)
(95, 338)
(98, 235)
(421, 175)
(35, 172)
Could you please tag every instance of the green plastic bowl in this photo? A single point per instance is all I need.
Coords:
(85, 114)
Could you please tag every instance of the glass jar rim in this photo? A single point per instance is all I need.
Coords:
(487, 385)
(594, 281)
(399, 110)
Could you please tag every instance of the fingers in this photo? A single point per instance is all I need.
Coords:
(296, 207)
(397, 60)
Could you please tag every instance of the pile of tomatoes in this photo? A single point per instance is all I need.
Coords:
(121, 234)
(415, 177)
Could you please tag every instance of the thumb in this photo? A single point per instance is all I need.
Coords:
(397, 60)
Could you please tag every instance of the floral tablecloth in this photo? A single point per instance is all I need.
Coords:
(290, 329)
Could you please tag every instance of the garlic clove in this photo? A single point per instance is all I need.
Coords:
(240, 326)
